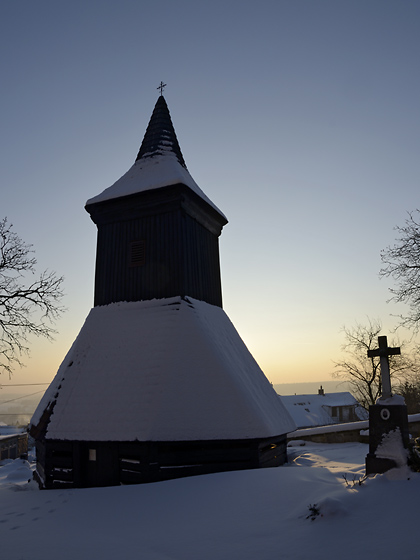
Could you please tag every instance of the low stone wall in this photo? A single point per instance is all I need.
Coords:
(350, 432)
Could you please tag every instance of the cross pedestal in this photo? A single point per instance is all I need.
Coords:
(389, 414)
(384, 419)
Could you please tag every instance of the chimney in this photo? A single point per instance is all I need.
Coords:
(321, 391)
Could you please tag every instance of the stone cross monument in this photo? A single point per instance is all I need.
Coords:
(389, 414)
(384, 352)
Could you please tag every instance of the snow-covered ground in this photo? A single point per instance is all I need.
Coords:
(245, 515)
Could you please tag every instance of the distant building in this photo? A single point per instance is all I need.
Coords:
(13, 442)
(323, 409)
(158, 384)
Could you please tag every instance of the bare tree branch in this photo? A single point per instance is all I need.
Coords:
(402, 263)
(363, 373)
(27, 306)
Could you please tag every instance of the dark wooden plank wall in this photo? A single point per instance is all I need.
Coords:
(181, 258)
(67, 464)
(201, 263)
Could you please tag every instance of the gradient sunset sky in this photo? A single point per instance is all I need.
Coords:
(299, 120)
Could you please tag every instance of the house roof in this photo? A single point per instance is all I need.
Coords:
(313, 410)
(159, 162)
(7, 431)
(161, 370)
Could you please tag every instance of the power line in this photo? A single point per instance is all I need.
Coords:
(23, 384)
(23, 397)
(16, 414)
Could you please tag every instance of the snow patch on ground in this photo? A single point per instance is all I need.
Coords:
(392, 447)
(253, 514)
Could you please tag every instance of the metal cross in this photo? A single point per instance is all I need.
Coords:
(161, 87)
(384, 352)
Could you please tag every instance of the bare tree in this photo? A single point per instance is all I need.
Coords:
(410, 390)
(402, 263)
(362, 373)
(28, 306)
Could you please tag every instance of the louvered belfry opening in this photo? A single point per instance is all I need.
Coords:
(137, 253)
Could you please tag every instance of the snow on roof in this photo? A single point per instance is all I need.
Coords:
(330, 428)
(6, 431)
(314, 410)
(149, 174)
(161, 370)
(393, 400)
(159, 162)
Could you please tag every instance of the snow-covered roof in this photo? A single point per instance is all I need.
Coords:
(159, 162)
(161, 370)
(149, 174)
(314, 410)
(7, 431)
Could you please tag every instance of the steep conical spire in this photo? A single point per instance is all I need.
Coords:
(159, 163)
(160, 137)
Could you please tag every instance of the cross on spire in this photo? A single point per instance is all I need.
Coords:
(384, 351)
(161, 86)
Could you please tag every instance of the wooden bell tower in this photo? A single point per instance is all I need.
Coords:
(161, 240)
(158, 384)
